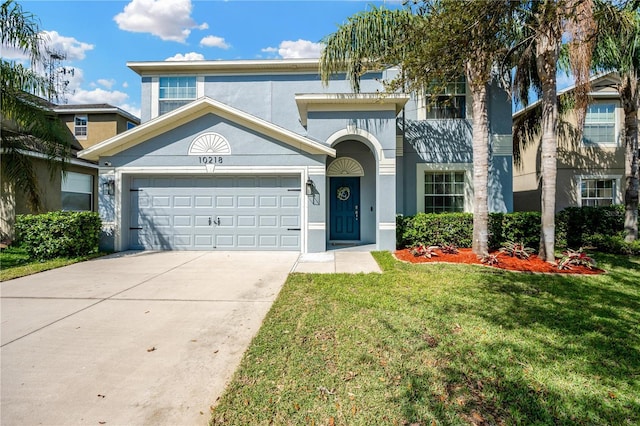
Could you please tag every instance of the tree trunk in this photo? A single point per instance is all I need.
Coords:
(546, 60)
(629, 96)
(480, 140)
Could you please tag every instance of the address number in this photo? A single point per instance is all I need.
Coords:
(210, 160)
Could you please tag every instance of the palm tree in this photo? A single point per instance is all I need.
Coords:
(543, 24)
(28, 124)
(618, 49)
(413, 40)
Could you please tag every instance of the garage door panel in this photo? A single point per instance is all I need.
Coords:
(182, 201)
(290, 241)
(219, 212)
(246, 201)
(246, 221)
(268, 201)
(181, 221)
(224, 201)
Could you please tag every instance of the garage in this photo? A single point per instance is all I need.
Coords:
(223, 212)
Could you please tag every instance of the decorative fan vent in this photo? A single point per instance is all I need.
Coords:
(209, 144)
(345, 166)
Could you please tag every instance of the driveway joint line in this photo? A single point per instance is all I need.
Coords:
(99, 301)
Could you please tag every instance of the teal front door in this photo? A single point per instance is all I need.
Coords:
(344, 208)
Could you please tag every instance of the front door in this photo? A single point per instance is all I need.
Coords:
(344, 210)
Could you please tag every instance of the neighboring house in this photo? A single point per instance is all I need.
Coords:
(590, 169)
(259, 155)
(76, 188)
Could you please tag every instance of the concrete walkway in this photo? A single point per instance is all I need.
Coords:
(337, 261)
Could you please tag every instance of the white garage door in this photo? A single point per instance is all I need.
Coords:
(222, 212)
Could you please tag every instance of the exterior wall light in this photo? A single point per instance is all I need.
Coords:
(310, 187)
(109, 187)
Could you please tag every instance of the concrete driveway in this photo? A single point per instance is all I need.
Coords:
(133, 338)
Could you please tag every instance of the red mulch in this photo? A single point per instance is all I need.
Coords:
(465, 255)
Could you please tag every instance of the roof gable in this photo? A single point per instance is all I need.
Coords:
(190, 112)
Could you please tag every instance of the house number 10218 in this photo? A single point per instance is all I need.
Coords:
(210, 160)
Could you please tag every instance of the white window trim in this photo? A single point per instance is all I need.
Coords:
(65, 176)
(467, 168)
(421, 107)
(618, 117)
(155, 90)
(86, 119)
(617, 193)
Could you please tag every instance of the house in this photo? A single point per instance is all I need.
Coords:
(76, 188)
(260, 155)
(591, 169)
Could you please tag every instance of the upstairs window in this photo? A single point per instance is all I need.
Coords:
(446, 102)
(600, 125)
(444, 192)
(176, 92)
(80, 127)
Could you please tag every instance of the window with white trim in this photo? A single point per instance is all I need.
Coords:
(80, 126)
(600, 125)
(597, 192)
(446, 102)
(77, 191)
(444, 191)
(176, 92)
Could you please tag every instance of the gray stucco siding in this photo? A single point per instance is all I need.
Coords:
(381, 124)
(248, 147)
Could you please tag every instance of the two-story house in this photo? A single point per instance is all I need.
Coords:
(260, 155)
(77, 187)
(590, 169)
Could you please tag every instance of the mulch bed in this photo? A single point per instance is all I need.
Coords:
(465, 255)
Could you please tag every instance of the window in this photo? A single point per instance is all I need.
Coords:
(600, 124)
(444, 192)
(446, 102)
(77, 191)
(130, 125)
(176, 92)
(80, 128)
(597, 192)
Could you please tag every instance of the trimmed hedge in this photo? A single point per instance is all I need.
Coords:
(457, 228)
(599, 227)
(59, 234)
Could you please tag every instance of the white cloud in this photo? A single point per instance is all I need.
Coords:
(289, 49)
(101, 96)
(108, 83)
(168, 19)
(191, 56)
(73, 49)
(214, 41)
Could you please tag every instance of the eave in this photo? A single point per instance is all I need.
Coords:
(348, 102)
(190, 112)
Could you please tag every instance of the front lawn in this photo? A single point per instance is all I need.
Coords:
(439, 344)
(15, 263)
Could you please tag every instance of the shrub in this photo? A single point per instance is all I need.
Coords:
(516, 250)
(575, 224)
(437, 229)
(516, 226)
(614, 244)
(59, 234)
(576, 258)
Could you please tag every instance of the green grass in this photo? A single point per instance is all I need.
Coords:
(15, 263)
(446, 345)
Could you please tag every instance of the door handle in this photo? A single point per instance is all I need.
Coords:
(357, 212)
(218, 221)
(209, 221)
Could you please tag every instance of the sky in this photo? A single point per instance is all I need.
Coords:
(98, 38)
